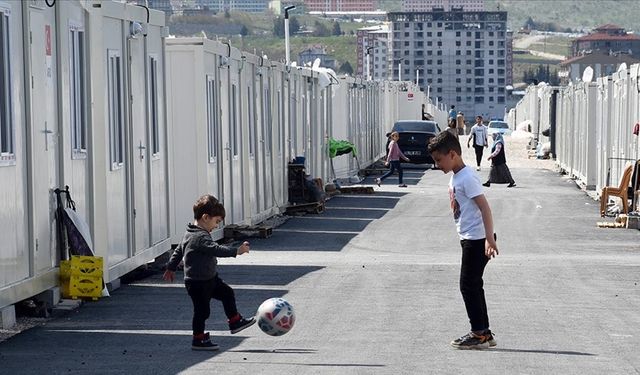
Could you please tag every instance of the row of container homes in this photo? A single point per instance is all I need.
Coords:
(96, 96)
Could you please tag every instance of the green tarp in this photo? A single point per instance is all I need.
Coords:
(337, 148)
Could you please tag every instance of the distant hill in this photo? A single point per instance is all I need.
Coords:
(576, 14)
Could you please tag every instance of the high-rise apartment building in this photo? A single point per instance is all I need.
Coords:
(429, 5)
(372, 41)
(462, 56)
(340, 5)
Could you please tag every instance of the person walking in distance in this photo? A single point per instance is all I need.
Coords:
(499, 173)
(393, 160)
(478, 134)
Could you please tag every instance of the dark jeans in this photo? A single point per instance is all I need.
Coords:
(393, 165)
(471, 284)
(201, 293)
(479, 150)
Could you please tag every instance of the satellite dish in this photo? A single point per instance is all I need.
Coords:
(622, 67)
(587, 75)
(316, 63)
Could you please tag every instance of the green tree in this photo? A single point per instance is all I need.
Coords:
(244, 31)
(336, 29)
(346, 68)
(278, 26)
(320, 29)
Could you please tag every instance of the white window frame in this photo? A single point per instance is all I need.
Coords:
(213, 123)
(234, 123)
(7, 125)
(115, 109)
(251, 110)
(77, 91)
(154, 110)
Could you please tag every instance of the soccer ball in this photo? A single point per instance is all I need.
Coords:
(276, 316)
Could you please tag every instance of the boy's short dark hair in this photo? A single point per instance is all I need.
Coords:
(208, 204)
(443, 143)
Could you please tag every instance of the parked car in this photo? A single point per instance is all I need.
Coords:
(498, 127)
(414, 138)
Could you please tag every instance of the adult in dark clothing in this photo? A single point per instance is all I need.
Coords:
(499, 173)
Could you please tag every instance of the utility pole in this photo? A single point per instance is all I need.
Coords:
(368, 67)
(286, 32)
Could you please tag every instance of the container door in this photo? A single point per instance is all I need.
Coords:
(43, 139)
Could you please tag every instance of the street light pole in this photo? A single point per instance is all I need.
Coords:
(286, 32)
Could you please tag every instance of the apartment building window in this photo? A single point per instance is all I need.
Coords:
(439, 53)
(458, 33)
(500, 99)
(479, 81)
(478, 35)
(439, 34)
(439, 80)
(429, 43)
(429, 34)
(458, 62)
(491, 43)
(439, 24)
(429, 62)
(469, 62)
(213, 126)
(115, 109)
(468, 43)
(406, 53)
(458, 43)
(77, 91)
(491, 80)
(478, 44)
(491, 98)
(406, 43)
(7, 147)
(429, 71)
(406, 34)
(458, 71)
(468, 52)
(458, 99)
(479, 99)
(491, 89)
(490, 33)
(439, 71)
(490, 61)
(429, 53)
(500, 81)
(491, 71)
(469, 33)
(458, 52)
(468, 71)
(458, 80)
(439, 62)
(154, 110)
(419, 35)
(479, 72)
(439, 44)
(490, 52)
(439, 89)
(406, 25)
(458, 89)
(418, 62)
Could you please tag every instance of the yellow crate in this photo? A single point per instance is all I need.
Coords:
(82, 287)
(81, 266)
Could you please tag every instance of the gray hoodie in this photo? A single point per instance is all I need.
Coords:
(199, 252)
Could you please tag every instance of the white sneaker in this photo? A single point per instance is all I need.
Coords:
(477, 168)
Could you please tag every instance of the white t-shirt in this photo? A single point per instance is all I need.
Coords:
(463, 187)
(480, 133)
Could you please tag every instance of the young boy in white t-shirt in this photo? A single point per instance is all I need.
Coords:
(474, 223)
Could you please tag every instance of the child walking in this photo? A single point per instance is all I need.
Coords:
(393, 157)
(474, 223)
(201, 277)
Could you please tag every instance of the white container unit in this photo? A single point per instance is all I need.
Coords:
(58, 129)
(130, 158)
(227, 131)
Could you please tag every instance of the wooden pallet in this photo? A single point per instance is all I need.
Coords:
(310, 208)
(243, 231)
(357, 190)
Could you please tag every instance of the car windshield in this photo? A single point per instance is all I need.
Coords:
(499, 125)
(418, 126)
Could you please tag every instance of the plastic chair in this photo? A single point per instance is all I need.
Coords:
(620, 191)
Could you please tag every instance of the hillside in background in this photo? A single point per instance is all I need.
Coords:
(576, 14)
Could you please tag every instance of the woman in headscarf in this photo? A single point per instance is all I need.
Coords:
(499, 173)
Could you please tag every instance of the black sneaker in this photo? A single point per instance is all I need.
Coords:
(472, 341)
(241, 324)
(513, 184)
(204, 344)
(487, 184)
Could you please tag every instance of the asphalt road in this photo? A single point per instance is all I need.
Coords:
(374, 281)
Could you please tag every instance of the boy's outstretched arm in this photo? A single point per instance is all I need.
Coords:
(176, 257)
(490, 246)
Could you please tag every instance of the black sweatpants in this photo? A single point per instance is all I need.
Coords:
(201, 293)
(471, 283)
(479, 150)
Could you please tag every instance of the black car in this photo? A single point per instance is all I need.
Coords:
(414, 138)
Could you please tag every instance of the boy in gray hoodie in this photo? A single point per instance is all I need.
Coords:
(201, 278)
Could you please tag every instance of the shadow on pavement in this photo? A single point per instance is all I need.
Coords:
(560, 352)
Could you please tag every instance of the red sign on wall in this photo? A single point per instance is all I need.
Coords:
(47, 37)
